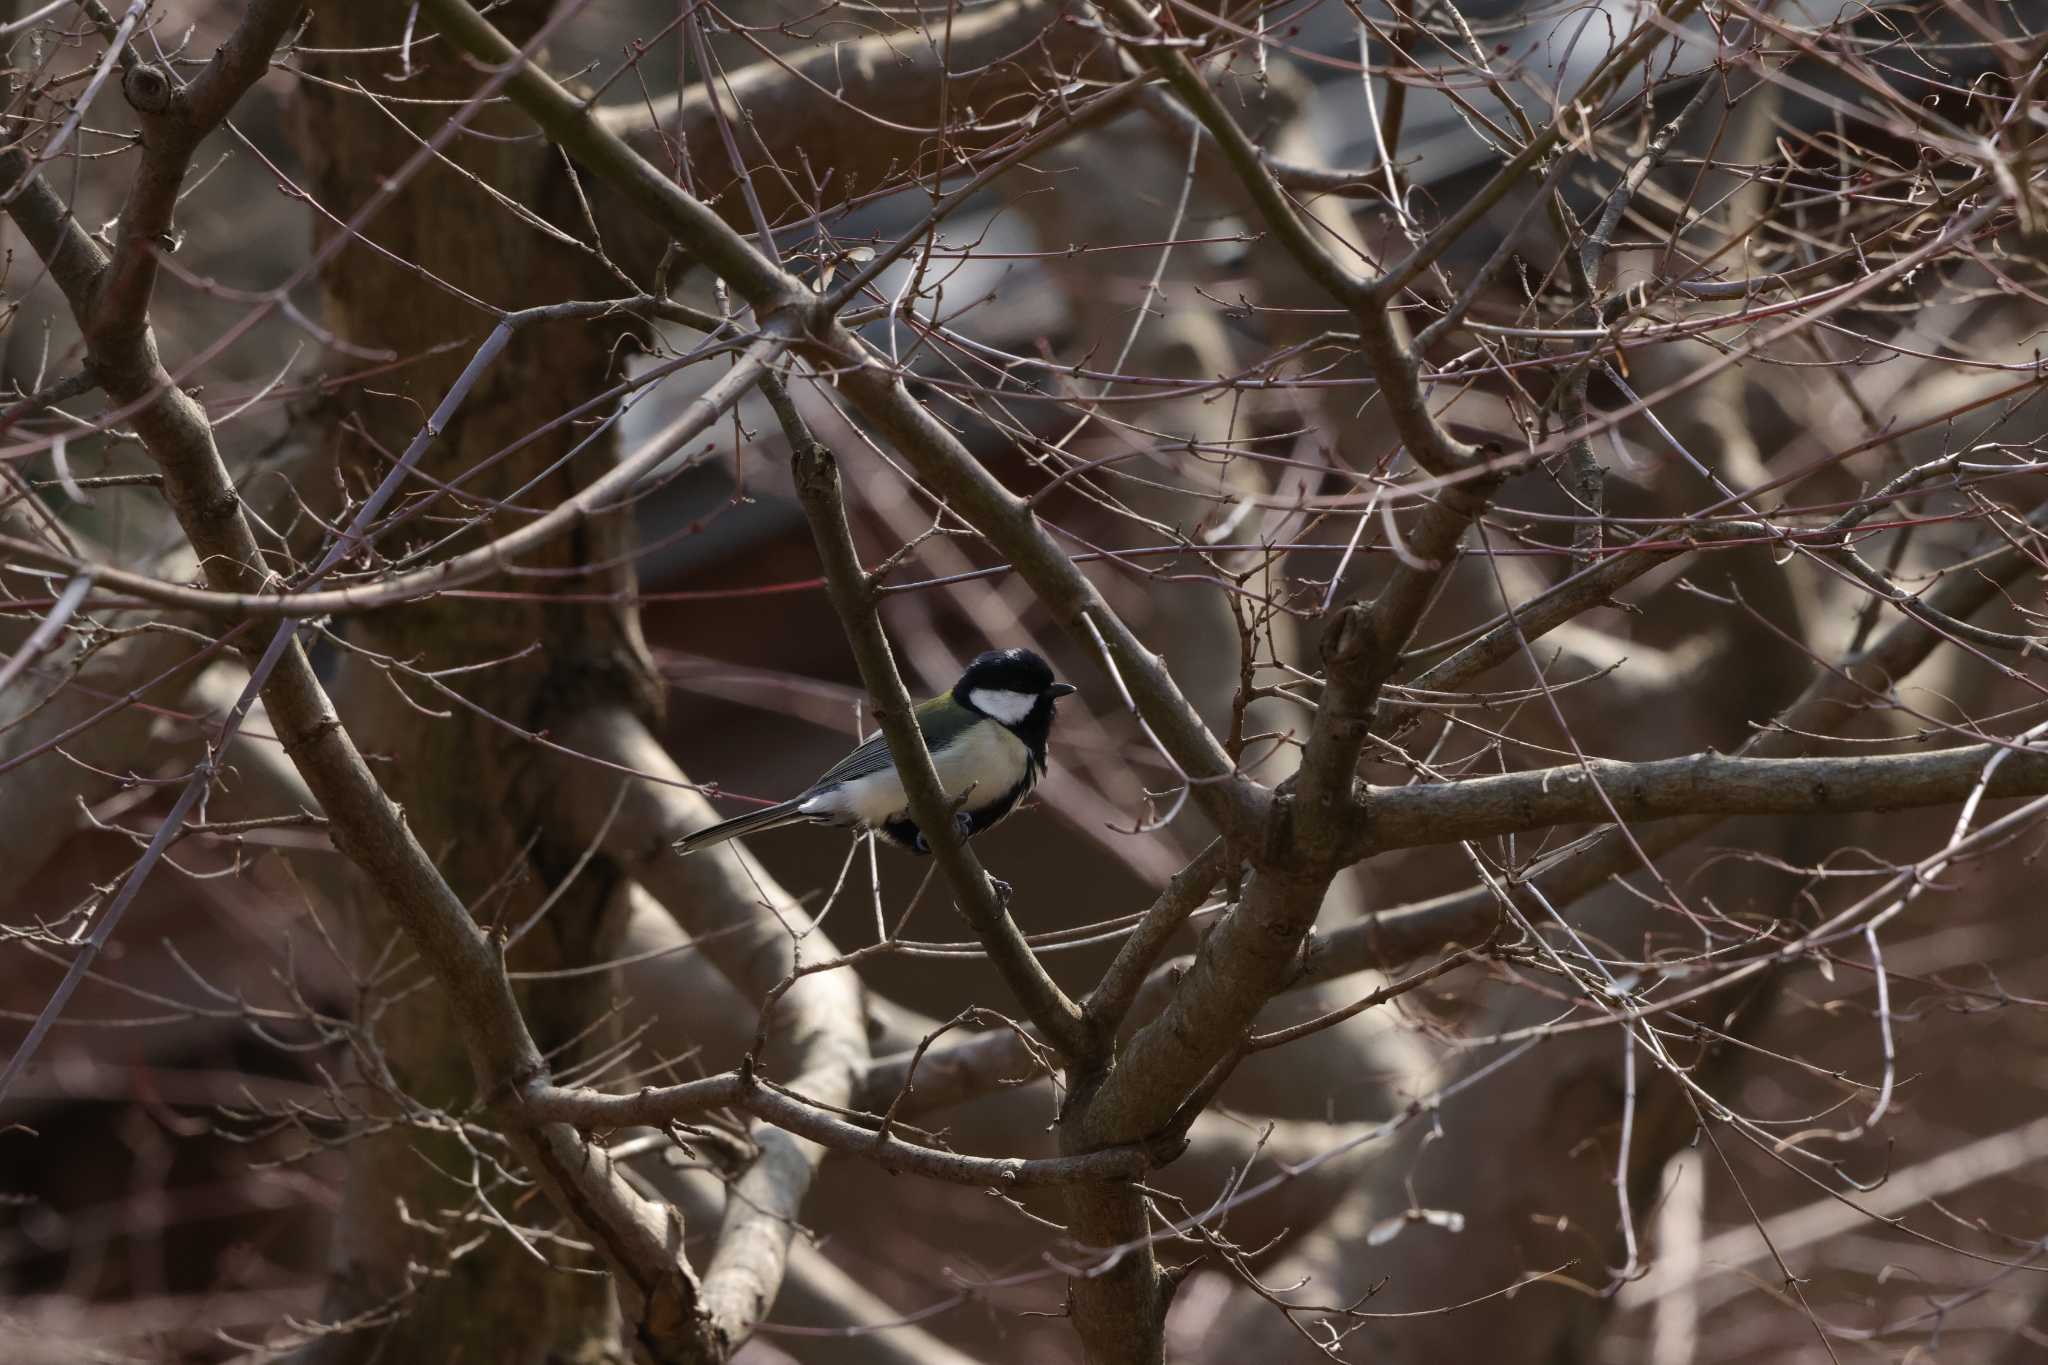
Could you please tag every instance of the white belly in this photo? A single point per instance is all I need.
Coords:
(988, 758)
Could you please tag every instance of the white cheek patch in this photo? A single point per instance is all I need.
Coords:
(1002, 704)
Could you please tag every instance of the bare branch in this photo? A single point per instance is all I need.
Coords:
(1700, 784)
(817, 484)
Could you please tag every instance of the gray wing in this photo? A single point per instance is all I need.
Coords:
(940, 724)
(870, 757)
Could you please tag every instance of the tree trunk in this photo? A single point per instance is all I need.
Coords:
(471, 785)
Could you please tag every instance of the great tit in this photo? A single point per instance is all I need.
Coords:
(987, 739)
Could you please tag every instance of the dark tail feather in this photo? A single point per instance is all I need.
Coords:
(771, 817)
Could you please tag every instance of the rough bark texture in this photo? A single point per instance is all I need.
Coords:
(469, 784)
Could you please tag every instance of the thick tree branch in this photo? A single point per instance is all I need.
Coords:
(1111, 999)
(756, 934)
(1361, 650)
(1699, 784)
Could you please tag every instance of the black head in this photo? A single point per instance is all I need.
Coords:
(1016, 688)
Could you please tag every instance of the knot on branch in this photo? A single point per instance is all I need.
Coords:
(1357, 657)
(1171, 1277)
(524, 1083)
(1278, 843)
(798, 313)
(1485, 465)
(1349, 643)
(149, 89)
(813, 468)
(299, 743)
(1163, 1149)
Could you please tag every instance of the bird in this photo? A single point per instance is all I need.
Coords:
(987, 738)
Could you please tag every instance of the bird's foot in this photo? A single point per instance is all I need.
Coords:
(963, 830)
(1002, 891)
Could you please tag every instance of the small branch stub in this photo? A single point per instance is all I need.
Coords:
(148, 89)
(1349, 642)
